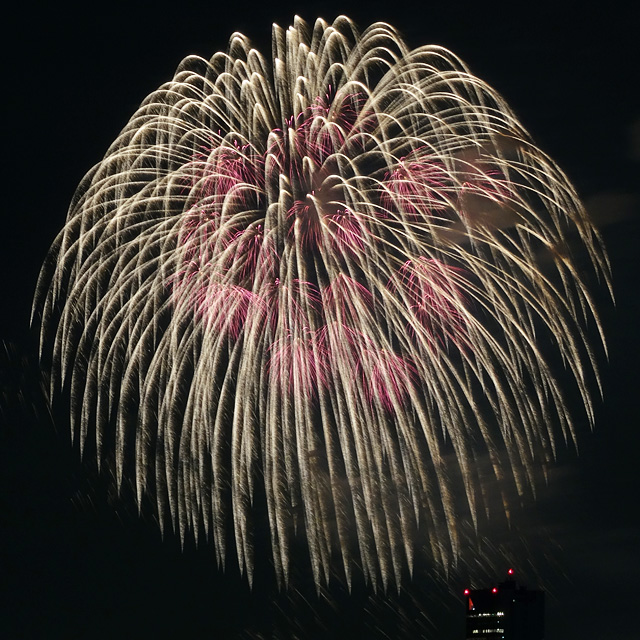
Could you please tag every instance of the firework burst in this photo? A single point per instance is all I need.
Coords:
(297, 281)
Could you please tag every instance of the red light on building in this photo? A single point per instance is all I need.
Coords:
(466, 592)
(494, 590)
(510, 572)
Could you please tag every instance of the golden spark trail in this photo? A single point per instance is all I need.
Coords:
(321, 282)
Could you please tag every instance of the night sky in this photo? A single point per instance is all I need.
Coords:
(77, 562)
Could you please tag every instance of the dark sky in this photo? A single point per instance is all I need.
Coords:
(76, 563)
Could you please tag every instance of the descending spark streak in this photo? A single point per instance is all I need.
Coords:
(307, 275)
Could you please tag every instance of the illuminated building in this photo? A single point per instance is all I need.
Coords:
(505, 612)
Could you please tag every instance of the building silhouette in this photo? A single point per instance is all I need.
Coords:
(504, 612)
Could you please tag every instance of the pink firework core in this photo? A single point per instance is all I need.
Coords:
(432, 295)
(255, 215)
(417, 187)
(299, 362)
(384, 376)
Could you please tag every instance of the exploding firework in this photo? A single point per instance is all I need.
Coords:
(318, 284)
